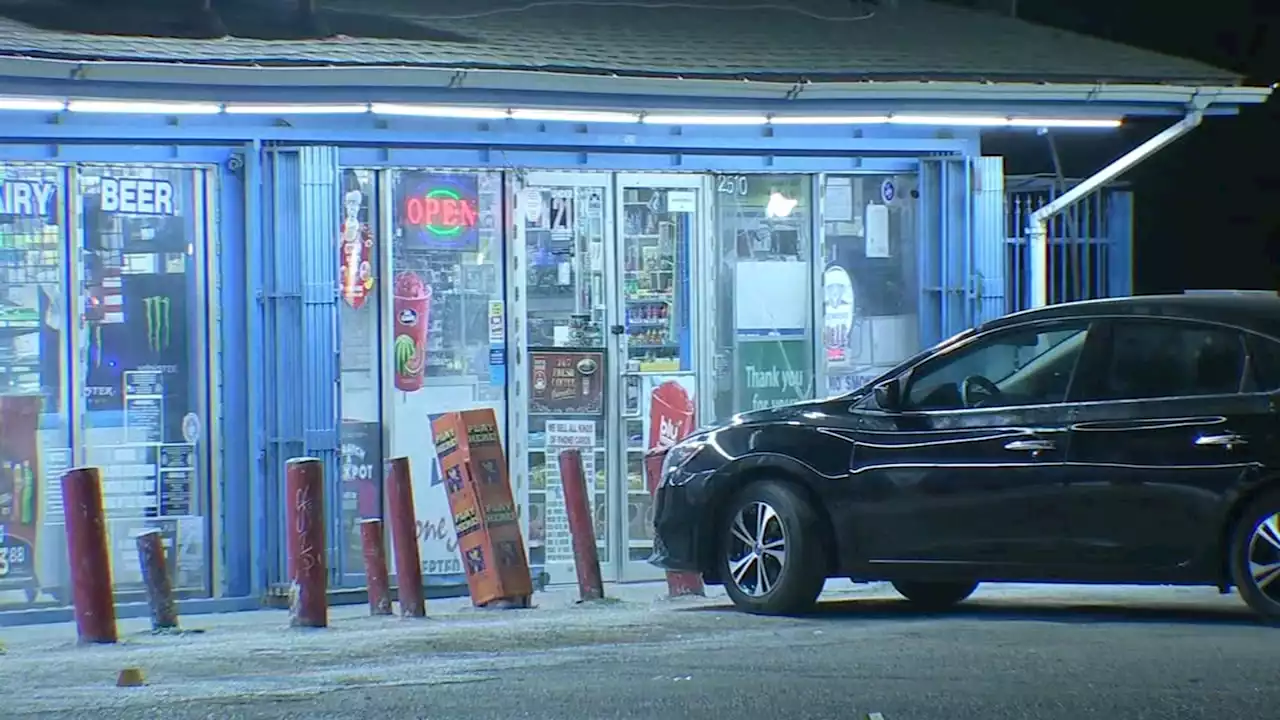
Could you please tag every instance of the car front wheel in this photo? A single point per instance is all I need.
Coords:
(934, 595)
(1255, 558)
(772, 557)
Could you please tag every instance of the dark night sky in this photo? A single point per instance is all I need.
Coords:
(1207, 208)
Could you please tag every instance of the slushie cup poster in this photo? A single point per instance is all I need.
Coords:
(438, 211)
(412, 316)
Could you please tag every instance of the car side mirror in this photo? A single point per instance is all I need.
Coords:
(889, 395)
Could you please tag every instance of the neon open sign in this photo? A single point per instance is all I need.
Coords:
(443, 212)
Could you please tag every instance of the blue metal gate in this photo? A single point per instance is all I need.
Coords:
(962, 238)
(1090, 244)
(299, 328)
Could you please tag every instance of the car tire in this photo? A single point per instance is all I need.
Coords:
(758, 578)
(934, 595)
(1255, 557)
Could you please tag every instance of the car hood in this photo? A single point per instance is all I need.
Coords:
(793, 411)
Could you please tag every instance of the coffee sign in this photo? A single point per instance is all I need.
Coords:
(566, 382)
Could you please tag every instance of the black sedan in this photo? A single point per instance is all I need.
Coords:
(1131, 440)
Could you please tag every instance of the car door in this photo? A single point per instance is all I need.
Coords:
(952, 475)
(1170, 419)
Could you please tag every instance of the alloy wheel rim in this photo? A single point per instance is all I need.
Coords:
(757, 549)
(1264, 557)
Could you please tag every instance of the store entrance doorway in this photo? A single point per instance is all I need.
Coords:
(604, 305)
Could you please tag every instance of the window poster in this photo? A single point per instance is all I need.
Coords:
(140, 347)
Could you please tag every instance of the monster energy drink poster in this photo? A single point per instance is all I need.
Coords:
(139, 283)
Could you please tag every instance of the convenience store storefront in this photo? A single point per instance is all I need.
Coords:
(164, 321)
(195, 291)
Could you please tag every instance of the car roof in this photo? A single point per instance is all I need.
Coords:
(1258, 311)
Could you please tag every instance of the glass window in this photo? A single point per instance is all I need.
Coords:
(445, 329)
(1264, 364)
(762, 298)
(359, 334)
(1151, 359)
(1021, 366)
(143, 349)
(871, 299)
(34, 427)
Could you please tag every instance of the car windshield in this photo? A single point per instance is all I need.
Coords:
(902, 366)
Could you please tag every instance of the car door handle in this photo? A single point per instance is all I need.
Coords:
(1030, 445)
(1228, 440)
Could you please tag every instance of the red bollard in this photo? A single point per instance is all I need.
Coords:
(586, 558)
(404, 538)
(95, 607)
(304, 517)
(155, 576)
(375, 566)
(679, 584)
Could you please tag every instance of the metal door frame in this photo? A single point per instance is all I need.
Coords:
(639, 570)
(517, 282)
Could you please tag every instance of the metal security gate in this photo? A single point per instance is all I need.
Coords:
(1090, 243)
(962, 238)
(301, 215)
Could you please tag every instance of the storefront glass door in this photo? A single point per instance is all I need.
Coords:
(659, 224)
(563, 227)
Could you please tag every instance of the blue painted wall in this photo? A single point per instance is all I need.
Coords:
(277, 209)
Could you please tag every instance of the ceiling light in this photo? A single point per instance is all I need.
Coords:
(829, 120)
(33, 104)
(706, 119)
(297, 109)
(441, 111)
(585, 116)
(135, 107)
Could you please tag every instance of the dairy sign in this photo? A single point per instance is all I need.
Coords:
(439, 211)
(27, 198)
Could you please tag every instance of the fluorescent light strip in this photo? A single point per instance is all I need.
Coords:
(441, 111)
(585, 116)
(128, 107)
(32, 104)
(829, 120)
(131, 107)
(706, 120)
(297, 109)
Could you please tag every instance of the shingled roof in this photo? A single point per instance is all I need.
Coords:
(817, 40)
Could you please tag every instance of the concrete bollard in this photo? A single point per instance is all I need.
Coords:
(305, 523)
(404, 538)
(375, 566)
(577, 503)
(155, 576)
(95, 608)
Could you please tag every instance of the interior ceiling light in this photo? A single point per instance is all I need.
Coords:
(357, 109)
(585, 116)
(829, 120)
(440, 111)
(136, 107)
(990, 121)
(706, 120)
(33, 104)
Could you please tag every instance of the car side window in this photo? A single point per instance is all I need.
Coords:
(1019, 366)
(1162, 358)
(1263, 373)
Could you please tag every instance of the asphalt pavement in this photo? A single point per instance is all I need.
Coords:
(1024, 652)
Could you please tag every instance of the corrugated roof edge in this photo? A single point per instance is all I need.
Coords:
(777, 75)
(228, 77)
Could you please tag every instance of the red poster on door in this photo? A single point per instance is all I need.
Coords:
(19, 487)
(671, 416)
